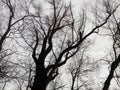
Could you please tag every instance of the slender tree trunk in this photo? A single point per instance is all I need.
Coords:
(73, 81)
(110, 76)
(40, 79)
(107, 82)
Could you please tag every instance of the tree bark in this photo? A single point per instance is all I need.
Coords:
(40, 80)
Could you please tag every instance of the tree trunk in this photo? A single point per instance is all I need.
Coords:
(114, 65)
(40, 80)
(107, 82)
(73, 81)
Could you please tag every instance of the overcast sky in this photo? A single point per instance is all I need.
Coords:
(101, 44)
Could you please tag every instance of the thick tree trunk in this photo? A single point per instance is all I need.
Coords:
(40, 80)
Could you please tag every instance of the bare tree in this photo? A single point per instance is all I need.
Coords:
(9, 24)
(76, 70)
(113, 26)
(54, 39)
(3, 36)
(80, 68)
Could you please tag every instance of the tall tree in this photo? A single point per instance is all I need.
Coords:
(4, 35)
(55, 38)
(79, 68)
(9, 23)
(113, 26)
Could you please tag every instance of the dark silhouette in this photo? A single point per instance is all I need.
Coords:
(114, 33)
(113, 66)
(59, 21)
(54, 38)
